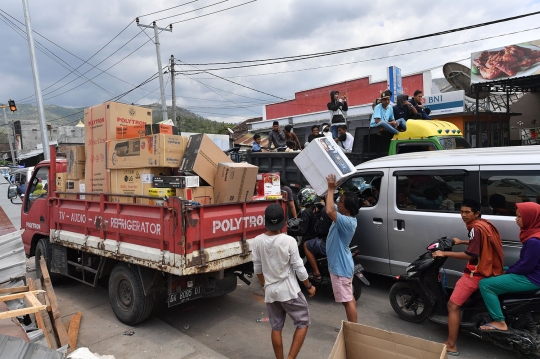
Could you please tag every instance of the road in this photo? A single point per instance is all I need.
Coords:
(228, 324)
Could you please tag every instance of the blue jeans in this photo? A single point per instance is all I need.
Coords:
(388, 127)
(334, 131)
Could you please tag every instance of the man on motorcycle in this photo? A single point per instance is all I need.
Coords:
(340, 261)
(485, 259)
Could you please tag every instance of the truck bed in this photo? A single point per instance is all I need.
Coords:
(179, 239)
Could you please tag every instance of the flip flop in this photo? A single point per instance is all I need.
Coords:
(493, 329)
(316, 277)
(454, 354)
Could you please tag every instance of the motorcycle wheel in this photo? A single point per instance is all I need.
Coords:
(400, 294)
(357, 288)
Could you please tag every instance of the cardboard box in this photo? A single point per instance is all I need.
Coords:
(76, 170)
(150, 151)
(76, 154)
(202, 156)
(321, 158)
(268, 184)
(357, 341)
(235, 182)
(123, 132)
(100, 124)
(161, 128)
(61, 181)
(72, 186)
(176, 181)
(159, 193)
(134, 181)
(203, 194)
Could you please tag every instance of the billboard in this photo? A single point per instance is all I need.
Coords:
(394, 82)
(445, 103)
(506, 62)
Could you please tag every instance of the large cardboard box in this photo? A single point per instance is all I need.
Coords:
(61, 181)
(357, 341)
(100, 124)
(202, 156)
(124, 132)
(321, 158)
(150, 151)
(76, 162)
(72, 186)
(202, 194)
(235, 182)
(134, 181)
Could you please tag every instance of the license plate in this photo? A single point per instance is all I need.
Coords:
(184, 295)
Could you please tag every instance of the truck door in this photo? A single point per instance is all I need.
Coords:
(35, 214)
(372, 229)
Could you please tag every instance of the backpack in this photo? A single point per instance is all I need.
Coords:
(321, 223)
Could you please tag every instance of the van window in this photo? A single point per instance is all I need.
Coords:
(501, 190)
(415, 147)
(431, 191)
(367, 186)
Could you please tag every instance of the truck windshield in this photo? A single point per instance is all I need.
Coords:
(452, 143)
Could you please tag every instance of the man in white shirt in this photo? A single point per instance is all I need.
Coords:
(276, 263)
(345, 139)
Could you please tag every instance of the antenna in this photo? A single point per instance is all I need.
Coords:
(459, 76)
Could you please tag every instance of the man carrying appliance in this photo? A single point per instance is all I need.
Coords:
(485, 259)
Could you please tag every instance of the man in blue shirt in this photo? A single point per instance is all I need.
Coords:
(256, 143)
(383, 116)
(340, 261)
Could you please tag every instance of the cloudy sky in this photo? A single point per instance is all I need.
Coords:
(74, 31)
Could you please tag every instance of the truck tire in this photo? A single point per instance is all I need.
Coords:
(126, 295)
(44, 249)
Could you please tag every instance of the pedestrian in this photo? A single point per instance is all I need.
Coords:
(340, 261)
(277, 263)
(345, 139)
(256, 147)
(485, 259)
(291, 139)
(277, 138)
(522, 276)
(418, 105)
(383, 115)
(338, 111)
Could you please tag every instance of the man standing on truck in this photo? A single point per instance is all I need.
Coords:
(485, 257)
(338, 111)
(277, 137)
(340, 261)
(383, 116)
(416, 101)
(276, 263)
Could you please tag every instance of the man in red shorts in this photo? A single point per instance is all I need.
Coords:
(485, 255)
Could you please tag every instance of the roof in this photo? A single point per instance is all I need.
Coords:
(512, 155)
(247, 140)
(32, 153)
(426, 128)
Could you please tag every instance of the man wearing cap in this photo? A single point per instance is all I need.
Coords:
(326, 130)
(277, 137)
(383, 116)
(276, 263)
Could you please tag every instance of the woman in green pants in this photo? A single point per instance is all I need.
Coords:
(524, 275)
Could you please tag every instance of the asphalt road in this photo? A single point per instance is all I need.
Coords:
(228, 324)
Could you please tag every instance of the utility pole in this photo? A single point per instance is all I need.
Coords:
(13, 160)
(173, 92)
(37, 85)
(160, 70)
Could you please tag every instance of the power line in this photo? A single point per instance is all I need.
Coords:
(277, 60)
(155, 12)
(215, 12)
(204, 7)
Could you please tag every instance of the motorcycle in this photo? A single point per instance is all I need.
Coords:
(421, 294)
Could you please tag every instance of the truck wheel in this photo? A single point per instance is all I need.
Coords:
(357, 288)
(126, 295)
(44, 249)
(400, 295)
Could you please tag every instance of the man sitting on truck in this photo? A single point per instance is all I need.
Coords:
(383, 116)
(277, 137)
(404, 109)
(314, 133)
(416, 101)
(345, 139)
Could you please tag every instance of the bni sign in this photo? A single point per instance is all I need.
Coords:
(444, 103)
(394, 82)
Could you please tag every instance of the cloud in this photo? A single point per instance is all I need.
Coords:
(262, 29)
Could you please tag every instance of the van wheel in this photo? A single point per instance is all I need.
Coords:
(356, 287)
(44, 249)
(401, 295)
(126, 295)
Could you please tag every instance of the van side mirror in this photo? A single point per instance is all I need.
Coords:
(12, 191)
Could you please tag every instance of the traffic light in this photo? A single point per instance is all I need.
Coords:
(12, 105)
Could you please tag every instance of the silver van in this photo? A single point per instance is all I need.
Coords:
(418, 198)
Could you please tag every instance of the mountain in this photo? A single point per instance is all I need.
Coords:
(62, 116)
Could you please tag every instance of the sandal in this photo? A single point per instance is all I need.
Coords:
(316, 277)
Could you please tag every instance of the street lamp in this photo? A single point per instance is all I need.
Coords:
(12, 105)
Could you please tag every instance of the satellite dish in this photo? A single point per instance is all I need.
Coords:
(459, 76)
